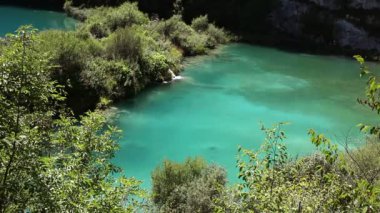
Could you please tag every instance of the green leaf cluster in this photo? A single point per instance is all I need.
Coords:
(50, 161)
(187, 187)
(324, 182)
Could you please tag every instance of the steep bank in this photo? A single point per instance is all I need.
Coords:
(330, 26)
(350, 27)
(325, 26)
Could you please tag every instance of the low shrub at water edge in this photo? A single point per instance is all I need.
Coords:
(192, 40)
(69, 166)
(214, 35)
(124, 44)
(327, 181)
(118, 51)
(187, 187)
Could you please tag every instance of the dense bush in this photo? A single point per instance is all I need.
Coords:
(108, 78)
(200, 24)
(183, 35)
(70, 54)
(364, 161)
(68, 166)
(49, 161)
(188, 187)
(158, 66)
(118, 51)
(69, 51)
(325, 182)
(124, 44)
(215, 35)
(104, 20)
(195, 39)
(126, 15)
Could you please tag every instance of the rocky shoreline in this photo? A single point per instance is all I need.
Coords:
(352, 27)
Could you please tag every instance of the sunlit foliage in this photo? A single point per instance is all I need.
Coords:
(49, 161)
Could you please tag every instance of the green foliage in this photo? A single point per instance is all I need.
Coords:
(329, 150)
(118, 51)
(200, 24)
(104, 103)
(187, 187)
(331, 181)
(73, 11)
(125, 44)
(109, 78)
(78, 171)
(47, 164)
(105, 20)
(24, 74)
(171, 174)
(365, 160)
(159, 64)
(215, 35)
(126, 15)
(319, 183)
(27, 98)
(70, 53)
(178, 7)
(183, 35)
(262, 173)
(372, 93)
(115, 53)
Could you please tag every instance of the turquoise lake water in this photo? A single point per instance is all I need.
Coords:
(13, 17)
(222, 99)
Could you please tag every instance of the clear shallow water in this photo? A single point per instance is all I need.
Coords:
(222, 100)
(13, 17)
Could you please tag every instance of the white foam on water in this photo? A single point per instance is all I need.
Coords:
(178, 77)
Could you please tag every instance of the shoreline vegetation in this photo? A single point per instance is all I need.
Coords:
(253, 21)
(119, 51)
(53, 161)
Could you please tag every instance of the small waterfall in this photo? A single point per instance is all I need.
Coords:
(172, 74)
(174, 77)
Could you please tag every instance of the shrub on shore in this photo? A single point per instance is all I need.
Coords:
(93, 59)
(187, 187)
